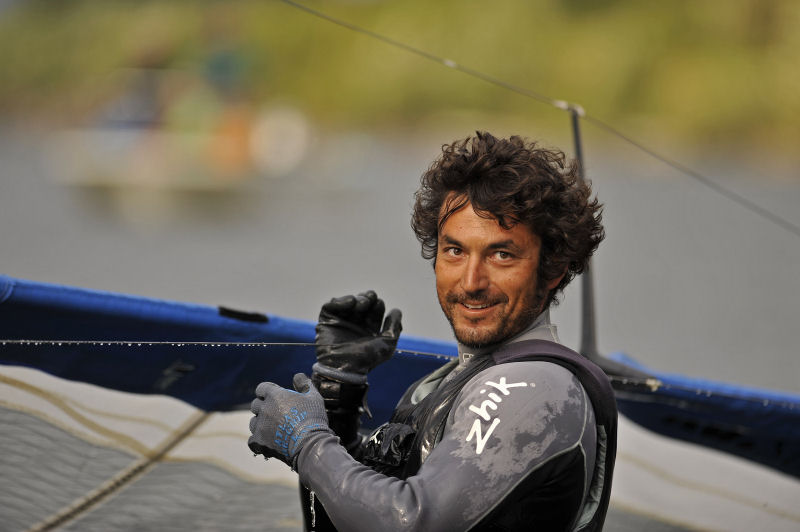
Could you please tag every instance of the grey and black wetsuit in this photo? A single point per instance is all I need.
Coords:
(488, 443)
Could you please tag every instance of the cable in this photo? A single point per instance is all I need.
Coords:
(563, 105)
(646, 386)
(22, 342)
(449, 63)
(716, 187)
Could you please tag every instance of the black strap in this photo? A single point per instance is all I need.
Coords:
(593, 379)
(597, 387)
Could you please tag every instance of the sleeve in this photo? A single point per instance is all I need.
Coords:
(507, 424)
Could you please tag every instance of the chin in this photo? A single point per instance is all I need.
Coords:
(476, 339)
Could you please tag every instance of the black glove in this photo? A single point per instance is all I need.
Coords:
(350, 339)
(284, 419)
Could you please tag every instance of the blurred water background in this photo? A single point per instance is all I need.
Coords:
(256, 156)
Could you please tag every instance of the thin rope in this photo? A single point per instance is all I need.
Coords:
(149, 343)
(716, 187)
(181, 343)
(563, 105)
(449, 63)
(621, 384)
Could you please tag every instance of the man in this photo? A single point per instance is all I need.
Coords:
(519, 433)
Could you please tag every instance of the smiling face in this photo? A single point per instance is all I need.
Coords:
(486, 277)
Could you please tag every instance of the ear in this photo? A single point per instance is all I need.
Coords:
(552, 283)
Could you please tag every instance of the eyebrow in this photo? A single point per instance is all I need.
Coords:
(502, 244)
(505, 244)
(451, 240)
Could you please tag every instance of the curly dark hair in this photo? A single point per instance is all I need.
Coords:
(514, 181)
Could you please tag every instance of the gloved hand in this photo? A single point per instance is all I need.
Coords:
(284, 419)
(350, 339)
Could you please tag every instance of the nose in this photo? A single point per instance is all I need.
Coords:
(475, 278)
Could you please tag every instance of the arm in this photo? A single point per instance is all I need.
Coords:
(350, 343)
(478, 462)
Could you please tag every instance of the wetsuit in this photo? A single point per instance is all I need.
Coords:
(517, 449)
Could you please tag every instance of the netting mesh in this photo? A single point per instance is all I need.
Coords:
(75, 457)
(45, 468)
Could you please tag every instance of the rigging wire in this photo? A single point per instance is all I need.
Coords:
(622, 384)
(565, 106)
(24, 342)
(449, 63)
(713, 185)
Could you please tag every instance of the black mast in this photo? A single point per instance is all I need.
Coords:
(588, 346)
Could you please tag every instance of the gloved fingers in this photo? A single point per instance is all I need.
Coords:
(375, 316)
(261, 389)
(365, 301)
(361, 314)
(348, 312)
(256, 447)
(302, 383)
(369, 294)
(255, 406)
(393, 324)
(339, 306)
(253, 424)
(369, 311)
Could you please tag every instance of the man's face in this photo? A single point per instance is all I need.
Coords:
(486, 277)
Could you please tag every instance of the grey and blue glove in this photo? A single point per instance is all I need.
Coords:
(284, 419)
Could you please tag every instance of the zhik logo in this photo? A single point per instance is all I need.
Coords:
(503, 388)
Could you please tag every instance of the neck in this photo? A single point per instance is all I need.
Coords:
(540, 328)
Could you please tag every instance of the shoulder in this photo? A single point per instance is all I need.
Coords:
(532, 406)
(523, 382)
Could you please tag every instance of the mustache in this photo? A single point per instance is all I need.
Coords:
(475, 299)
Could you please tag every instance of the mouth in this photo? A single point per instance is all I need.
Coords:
(478, 310)
(475, 308)
(478, 306)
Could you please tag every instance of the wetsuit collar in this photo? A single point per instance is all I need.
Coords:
(540, 329)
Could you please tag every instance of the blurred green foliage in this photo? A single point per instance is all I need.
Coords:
(702, 71)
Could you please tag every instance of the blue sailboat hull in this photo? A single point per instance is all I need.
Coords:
(208, 373)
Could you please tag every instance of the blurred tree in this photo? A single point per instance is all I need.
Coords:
(702, 72)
